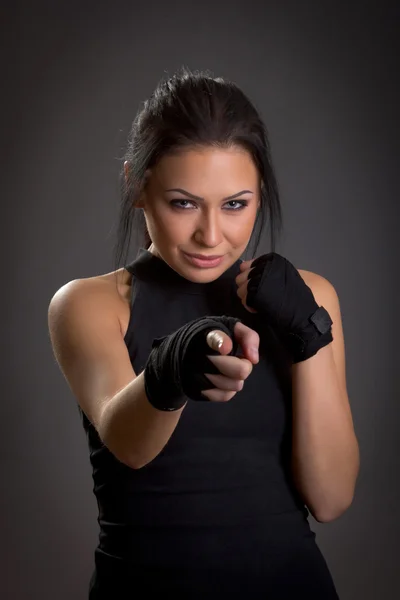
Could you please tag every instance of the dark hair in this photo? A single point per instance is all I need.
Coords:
(188, 110)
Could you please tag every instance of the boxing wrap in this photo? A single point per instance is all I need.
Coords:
(177, 362)
(276, 289)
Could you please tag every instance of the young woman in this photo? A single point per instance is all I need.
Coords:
(212, 389)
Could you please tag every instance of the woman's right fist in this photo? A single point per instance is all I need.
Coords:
(234, 370)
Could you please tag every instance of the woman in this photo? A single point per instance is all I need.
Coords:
(212, 389)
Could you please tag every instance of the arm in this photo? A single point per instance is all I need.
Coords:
(325, 457)
(89, 347)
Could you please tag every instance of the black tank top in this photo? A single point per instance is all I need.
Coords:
(216, 512)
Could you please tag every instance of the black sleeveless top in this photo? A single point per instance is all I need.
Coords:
(216, 512)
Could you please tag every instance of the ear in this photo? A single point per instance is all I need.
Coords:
(142, 198)
(140, 201)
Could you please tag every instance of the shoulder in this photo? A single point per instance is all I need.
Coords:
(322, 289)
(78, 296)
(89, 296)
(86, 287)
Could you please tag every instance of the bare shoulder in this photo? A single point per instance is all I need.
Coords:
(96, 293)
(310, 278)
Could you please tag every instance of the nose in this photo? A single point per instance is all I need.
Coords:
(208, 229)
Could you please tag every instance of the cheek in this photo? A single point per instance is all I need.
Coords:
(168, 225)
(241, 227)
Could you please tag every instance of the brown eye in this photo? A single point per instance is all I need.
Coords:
(178, 204)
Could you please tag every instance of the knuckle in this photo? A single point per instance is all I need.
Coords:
(239, 385)
(245, 371)
(218, 395)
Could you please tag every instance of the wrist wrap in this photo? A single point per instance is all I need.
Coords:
(177, 362)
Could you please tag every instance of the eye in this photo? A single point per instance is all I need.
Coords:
(241, 204)
(185, 204)
(178, 203)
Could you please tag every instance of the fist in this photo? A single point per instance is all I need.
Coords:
(234, 369)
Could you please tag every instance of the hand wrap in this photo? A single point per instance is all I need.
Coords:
(177, 362)
(276, 288)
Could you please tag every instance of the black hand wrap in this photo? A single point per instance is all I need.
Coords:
(275, 288)
(177, 362)
(315, 334)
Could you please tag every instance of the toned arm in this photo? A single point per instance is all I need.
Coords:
(90, 350)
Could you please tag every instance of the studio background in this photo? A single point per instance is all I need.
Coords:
(324, 77)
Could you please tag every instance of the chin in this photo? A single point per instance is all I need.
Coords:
(204, 277)
(197, 275)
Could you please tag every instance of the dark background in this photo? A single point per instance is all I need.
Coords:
(324, 77)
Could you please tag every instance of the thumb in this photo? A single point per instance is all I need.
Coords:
(219, 341)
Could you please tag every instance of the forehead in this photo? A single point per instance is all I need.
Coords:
(223, 166)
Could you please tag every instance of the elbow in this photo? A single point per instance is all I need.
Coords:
(124, 459)
(119, 453)
(136, 462)
(129, 462)
(136, 465)
(327, 517)
(327, 514)
(113, 440)
(133, 461)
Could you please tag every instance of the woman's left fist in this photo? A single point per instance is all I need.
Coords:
(272, 286)
(262, 284)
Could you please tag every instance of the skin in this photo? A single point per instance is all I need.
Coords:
(212, 226)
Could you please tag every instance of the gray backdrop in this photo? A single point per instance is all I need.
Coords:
(324, 79)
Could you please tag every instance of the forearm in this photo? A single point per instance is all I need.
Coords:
(133, 430)
(325, 453)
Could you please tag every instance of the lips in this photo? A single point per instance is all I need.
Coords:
(204, 257)
(205, 262)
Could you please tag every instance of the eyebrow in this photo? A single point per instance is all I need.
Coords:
(202, 199)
